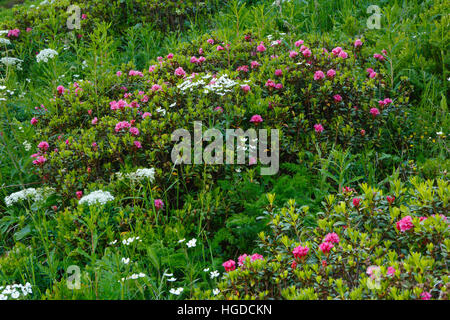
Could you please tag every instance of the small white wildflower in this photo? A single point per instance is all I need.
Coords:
(214, 274)
(206, 270)
(172, 279)
(27, 145)
(46, 54)
(182, 240)
(176, 291)
(216, 291)
(4, 41)
(126, 260)
(97, 197)
(192, 243)
(12, 62)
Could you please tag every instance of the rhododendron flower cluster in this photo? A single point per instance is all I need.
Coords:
(229, 265)
(405, 224)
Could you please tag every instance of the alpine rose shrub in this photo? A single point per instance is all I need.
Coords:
(93, 132)
(379, 250)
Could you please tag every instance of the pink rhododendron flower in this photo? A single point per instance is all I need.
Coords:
(246, 88)
(337, 98)
(180, 72)
(278, 72)
(60, 89)
(331, 73)
(372, 75)
(134, 73)
(319, 75)
(242, 68)
(13, 33)
(279, 86)
(220, 48)
(122, 125)
(159, 204)
(118, 73)
(84, 16)
(256, 119)
(137, 144)
(152, 68)
(218, 109)
(43, 145)
(331, 237)
(343, 54)
(256, 256)
(29, 29)
(79, 194)
(307, 53)
(326, 247)
(270, 83)
(34, 121)
(229, 265)
(300, 252)
(170, 56)
(40, 160)
(375, 112)
(210, 41)
(261, 47)
(293, 54)
(405, 224)
(298, 43)
(318, 128)
(356, 202)
(372, 271)
(390, 271)
(358, 43)
(242, 259)
(94, 121)
(254, 64)
(379, 57)
(134, 131)
(146, 114)
(252, 161)
(156, 87)
(390, 199)
(336, 51)
(425, 295)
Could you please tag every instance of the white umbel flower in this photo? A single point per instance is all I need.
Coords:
(31, 194)
(138, 175)
(12, 62)
(97, 197)
(46, 54)
(176, 292)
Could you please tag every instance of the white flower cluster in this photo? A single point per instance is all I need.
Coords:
(191, 243)
(97, 197)
(30, 194)
(4, 41)
(134, 276)
(46, 54)
(14, 291)
(220, 86)
(176, 292)
(138, 175)
(27, 145)
(129, 241)
(11, 62)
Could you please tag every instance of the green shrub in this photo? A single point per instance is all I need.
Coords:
(391, 246)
